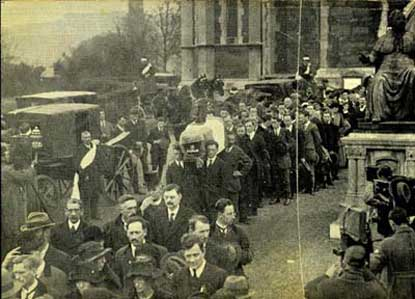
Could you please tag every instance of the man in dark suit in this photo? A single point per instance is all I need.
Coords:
(237, 165)
(330, 140)
(280, 161)
(169, 222)
(312, 140)
(258, 146)
(199, 275)
(125, 256)
(396, 256)
(159, 140)
(249, 186)
(231, 236)
(352, 280)
(86, 163)
(116, 231)
(68, 235)
(24, 271)
(106, 127)
(214, 179)
(215, 254)
(263, 130)
(175, 172)
(137, 128)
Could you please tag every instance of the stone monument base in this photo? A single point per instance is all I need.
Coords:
(363, 149)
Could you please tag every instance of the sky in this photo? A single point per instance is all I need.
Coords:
(41, 30)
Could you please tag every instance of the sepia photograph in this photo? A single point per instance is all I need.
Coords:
(207, 149)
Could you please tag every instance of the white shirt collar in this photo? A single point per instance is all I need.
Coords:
(251, 135)
(307, 124)
(179, 163)
(211, 159)
(43, 252)
(223, 228)
(29, 293)
(75, 225)
(199, 270)
(133, 248)
(40, 269)
(170, 212)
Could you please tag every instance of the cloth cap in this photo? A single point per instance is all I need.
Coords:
(355, 256)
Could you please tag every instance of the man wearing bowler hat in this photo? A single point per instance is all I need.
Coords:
(92, 256)
(148, 282)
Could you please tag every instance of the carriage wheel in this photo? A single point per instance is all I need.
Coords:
(121, 181)
(48, 190)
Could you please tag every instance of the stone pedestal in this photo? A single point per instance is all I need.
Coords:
(366, 149)
(396, 150)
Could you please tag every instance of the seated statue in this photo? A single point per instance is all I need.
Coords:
(391, 94)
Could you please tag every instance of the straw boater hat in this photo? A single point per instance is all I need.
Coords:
(9, 286)
(35, 221)
(90, 251)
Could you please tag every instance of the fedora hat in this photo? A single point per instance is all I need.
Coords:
(238, 286)
(144, 266)
(90, 251)
(9, 286)
(35, 221)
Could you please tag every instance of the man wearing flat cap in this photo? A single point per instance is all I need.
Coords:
(148, 282)
(352, 281)
(92, 256)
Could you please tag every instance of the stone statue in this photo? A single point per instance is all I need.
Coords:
(391, 94)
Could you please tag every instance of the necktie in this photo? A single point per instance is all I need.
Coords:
(194, 273)
(73, 230)
(210, 162)
(171, 218)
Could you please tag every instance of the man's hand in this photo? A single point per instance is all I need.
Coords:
(10, 256)
(232, 253)
(237, 173)
(334, 270)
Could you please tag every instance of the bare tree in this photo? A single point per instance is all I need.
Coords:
(166, 36)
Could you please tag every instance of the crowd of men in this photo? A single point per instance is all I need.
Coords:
(185, 239)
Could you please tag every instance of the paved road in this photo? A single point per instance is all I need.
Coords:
(275, 271)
